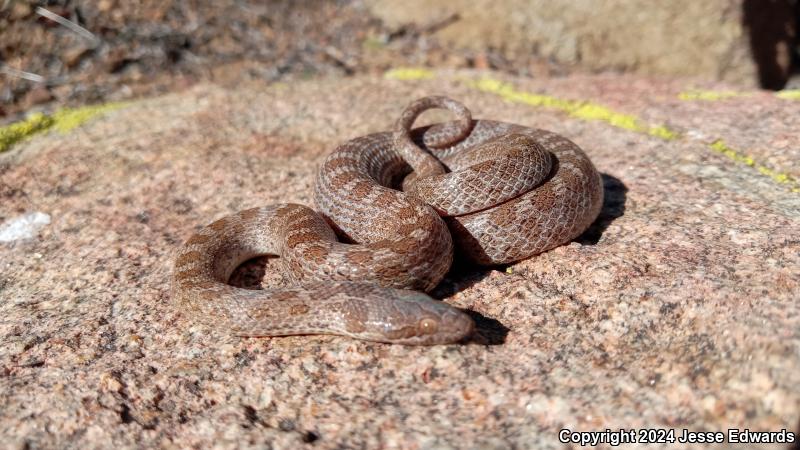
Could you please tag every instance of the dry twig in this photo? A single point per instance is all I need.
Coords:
(72, 26)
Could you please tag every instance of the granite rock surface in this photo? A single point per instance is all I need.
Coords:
(678, 309)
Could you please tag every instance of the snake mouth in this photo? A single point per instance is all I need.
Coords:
(464, 327)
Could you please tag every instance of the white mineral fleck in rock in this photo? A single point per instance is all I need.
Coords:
(23, 227)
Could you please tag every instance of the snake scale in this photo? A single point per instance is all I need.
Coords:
(493, 192)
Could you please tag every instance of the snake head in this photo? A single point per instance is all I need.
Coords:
(417, 319)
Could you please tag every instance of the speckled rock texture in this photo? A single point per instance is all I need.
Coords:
(677, 309)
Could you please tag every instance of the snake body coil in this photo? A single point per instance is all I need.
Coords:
(500, 192)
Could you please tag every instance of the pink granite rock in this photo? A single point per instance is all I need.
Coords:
(678, 309)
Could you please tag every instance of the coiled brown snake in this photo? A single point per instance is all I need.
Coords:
(506, 192)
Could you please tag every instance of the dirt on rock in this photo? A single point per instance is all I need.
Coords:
(133, 49)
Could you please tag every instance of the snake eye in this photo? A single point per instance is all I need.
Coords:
(428, 326)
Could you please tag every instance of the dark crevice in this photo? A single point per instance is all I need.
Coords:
(125, 414)
(796, 46)
(309, 437)
(771, 26)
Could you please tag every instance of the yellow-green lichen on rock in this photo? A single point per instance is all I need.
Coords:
(409, 73)
(709, 95)
(721, 147)
(581, 109)
(789, 94)
(63, 121)
(11, 134)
